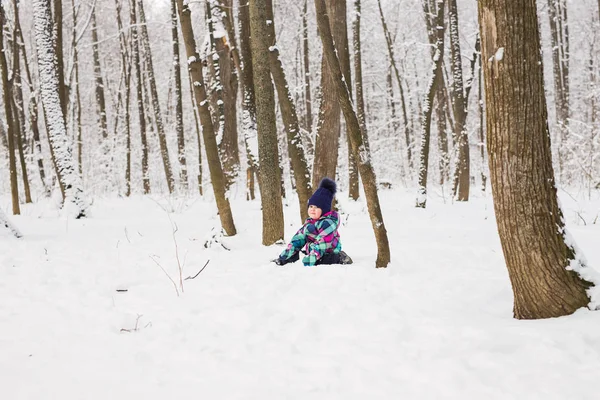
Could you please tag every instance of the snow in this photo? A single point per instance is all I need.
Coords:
(86, 313)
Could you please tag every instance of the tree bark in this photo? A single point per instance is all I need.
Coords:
(162, 137)
(462, 174)
(58, 46)
(99, 82)
(290, 120)
(212, 153)
(540, 256)
(354, 133)
(77, 106)
(18, 106)
(328, 122)
(390, 48)
(183, 175)
(6, 95)
(269, 176)
(50, 89)
(432, 89)
(249, 99)
(135, 52)
(306, 65)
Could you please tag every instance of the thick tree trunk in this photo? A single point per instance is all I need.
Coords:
(249, 100)
(212, 152)
(6, 95)
(135, 51)
(225, 87)
(290, 120)
(354, 133)
(432, 89)
(162, 137)
(540, 256)
(50, 89)
(269, 176)
(328, 123)
(183, 175)
(462, 173)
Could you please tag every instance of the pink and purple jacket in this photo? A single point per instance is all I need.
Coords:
(317, 237)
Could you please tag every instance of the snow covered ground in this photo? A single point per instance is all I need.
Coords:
(436, 324)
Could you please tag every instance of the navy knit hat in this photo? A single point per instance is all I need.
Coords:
(323, 196)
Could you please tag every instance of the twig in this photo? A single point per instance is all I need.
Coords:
(194, 277)
(168, 276)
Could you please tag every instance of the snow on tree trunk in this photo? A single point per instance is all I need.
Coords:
(66, 167)
(4, 222)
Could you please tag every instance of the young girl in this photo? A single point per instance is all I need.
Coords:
(318, 238)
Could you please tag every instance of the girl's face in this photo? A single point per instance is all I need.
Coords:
(314, 212)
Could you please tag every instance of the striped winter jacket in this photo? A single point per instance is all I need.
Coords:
(317, 237)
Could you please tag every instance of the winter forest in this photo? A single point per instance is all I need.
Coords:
(157, 156)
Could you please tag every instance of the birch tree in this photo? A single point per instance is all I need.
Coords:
(49, 83)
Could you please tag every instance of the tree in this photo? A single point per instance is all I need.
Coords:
(542, 262)
(4, 222)
(210, 142)
(99, 81)
(290, 119)
(6, 96)
(432, 89)
(249, 98)
(268, 152)
(459, 105)
(365, 167)
(162, 138)
(183, 176)
(50, 89)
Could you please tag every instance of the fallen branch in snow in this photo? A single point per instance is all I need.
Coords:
(167, 274)
(7, 224)
(202, 269)
(135, 329)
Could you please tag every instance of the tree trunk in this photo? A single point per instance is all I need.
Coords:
(328, 122)
(33, 115)
(6, 95)
(50, 90)
(77, 106)
(162, 138)
(481, 125)
(58, 46)
(559, 42)
(225, 88)
(212, 153)
(290, 120)
(306, 64)
(198, 132)
(462, 174)
(249, 100)
(269, 176)
(18, 108)
(183, 175)
(358, 147)
(135, 51)
(390, 48)
(4, 222)
(539, 254)
(358, 78)
(432, 89)
(99, 83)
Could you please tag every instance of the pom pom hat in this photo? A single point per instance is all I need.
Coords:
(323, 196)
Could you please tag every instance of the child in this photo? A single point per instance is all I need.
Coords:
(319, 235)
